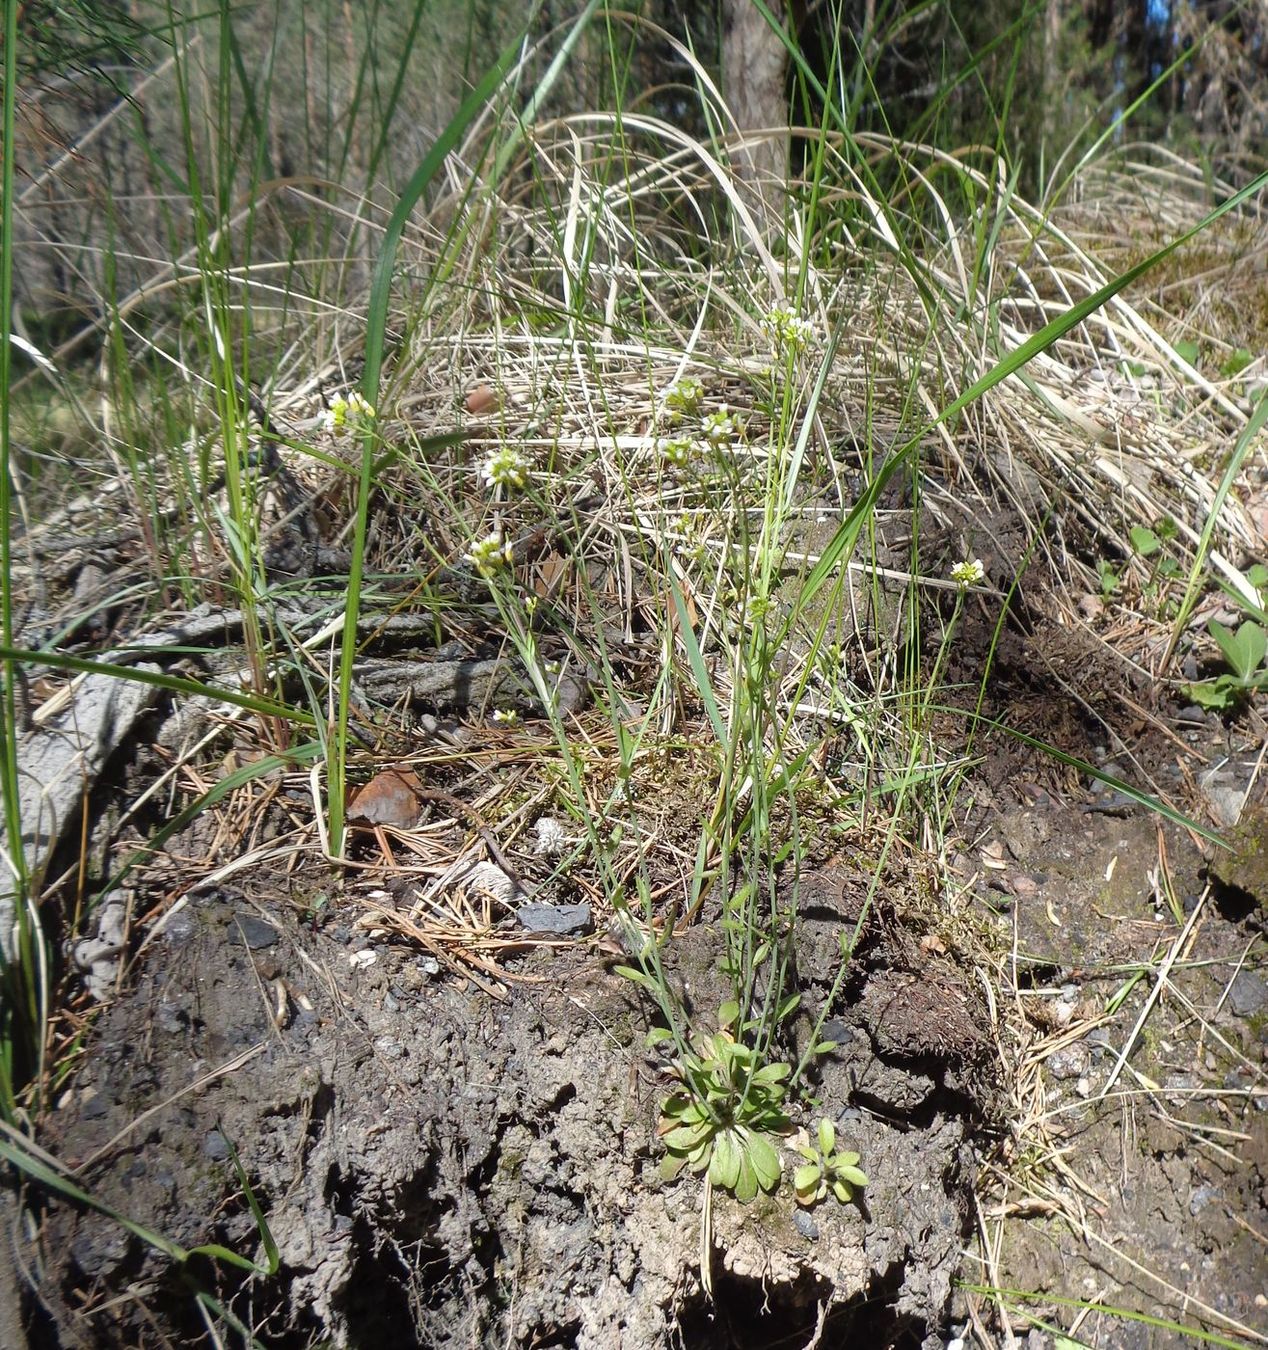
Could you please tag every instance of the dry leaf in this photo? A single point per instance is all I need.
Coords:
(481, 400)
(389, 798)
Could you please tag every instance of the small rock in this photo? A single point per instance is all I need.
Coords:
(1070, 1061)
(255, 933)
(215, 1146)
(1202, 1197)
(557, 919)
(805, 1225)
(1248, 994)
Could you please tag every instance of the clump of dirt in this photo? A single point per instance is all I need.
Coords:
(439, 1168)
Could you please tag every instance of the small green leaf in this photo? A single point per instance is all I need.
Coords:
(853, 1176)
(686, 1138)
(827, 1136)
(1257, 575)
(638, 976)
(825, 1047)
(841, 1189)
(657, 1035)
(746, 1186)
(765, 1159)
(1235, 362)
(788, 1007)
(728, 1013)
(1188, 352)
(671, 1165)
(1243, 650)
(1144, 540)
(806, 1178)
(724, 1166)
(1217, 694)
(772, 1073)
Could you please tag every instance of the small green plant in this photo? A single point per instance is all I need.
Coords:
(1236, 362)
(1108, 577)
(827, 1170)
(1243, 650)
(1150, 544)
(724, 1117)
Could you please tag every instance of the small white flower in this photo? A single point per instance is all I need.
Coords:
(490, 554)
(720, 428)
(968, 573)
(347, 412)
(677, 451)
(551, 839)
(507, 717)
(507, 468)
(787, 330)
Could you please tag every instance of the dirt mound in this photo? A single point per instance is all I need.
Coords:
(442, 1169)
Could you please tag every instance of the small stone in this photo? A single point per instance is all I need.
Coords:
(805, 1225)
(557, 919)
(1202, 1197)
(255, 933)
(215, 1146)
(1248, 993)
(1069, 1062)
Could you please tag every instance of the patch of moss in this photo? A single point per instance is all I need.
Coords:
(1245, 865)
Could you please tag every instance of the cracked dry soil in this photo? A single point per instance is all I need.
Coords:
(442, 1169)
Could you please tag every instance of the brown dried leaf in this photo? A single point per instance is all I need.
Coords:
(481, 400)
(389, 798)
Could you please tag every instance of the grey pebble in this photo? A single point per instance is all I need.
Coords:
(559, 919)
(1202, 1197)
(255, 932)
(805, 1225)
(216, 1146)
(1069, 1062)
(1248, 993)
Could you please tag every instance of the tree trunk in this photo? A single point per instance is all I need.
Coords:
(755, 86)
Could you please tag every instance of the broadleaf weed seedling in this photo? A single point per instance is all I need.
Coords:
(827, 1169)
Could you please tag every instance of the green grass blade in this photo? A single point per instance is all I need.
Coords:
(376, 334)
(1245, 443)
(177, 684)
(844, 540)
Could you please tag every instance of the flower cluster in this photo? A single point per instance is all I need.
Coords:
(506, 468)
(506, 717)
(720, 428)
(968, 573)
(788, 332)
(490, 554)
(677, 451)
(347, 412)
(683, 397)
